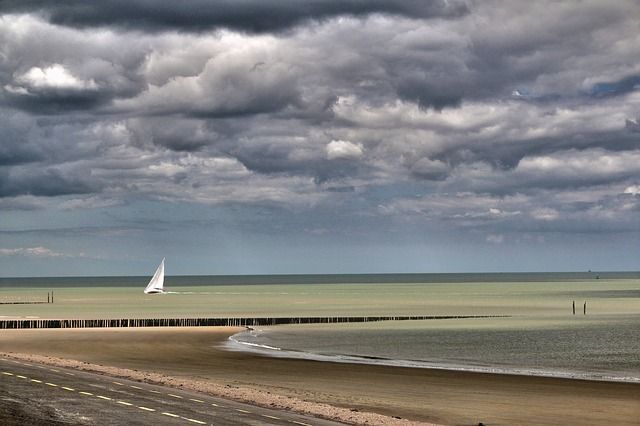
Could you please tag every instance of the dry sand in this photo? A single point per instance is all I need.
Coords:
(359, 394)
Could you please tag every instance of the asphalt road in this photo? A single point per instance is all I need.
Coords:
(33, 394)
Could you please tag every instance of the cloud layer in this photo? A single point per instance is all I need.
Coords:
(254, 16)
(503, 118)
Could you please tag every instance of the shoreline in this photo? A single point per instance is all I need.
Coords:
(352, 393)
(234, 344)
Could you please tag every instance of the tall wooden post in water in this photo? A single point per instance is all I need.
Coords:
(585, 308)
(574, 307)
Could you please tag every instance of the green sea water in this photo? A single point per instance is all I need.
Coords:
(540, 336)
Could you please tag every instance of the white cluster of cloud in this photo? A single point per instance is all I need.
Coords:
(343, 149)
(633, 190)
(52, 77)
(30, 252)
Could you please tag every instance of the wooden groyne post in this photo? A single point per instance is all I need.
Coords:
(24, 301)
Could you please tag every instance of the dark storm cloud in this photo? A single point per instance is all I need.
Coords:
(45, 183)
(499, 99)
(272, 158)
(185, 135)
(255, 16)
(56, 101)
(15, 146)
(12, 156)
(430, 94)
(506, 154)
(345, 189)
(563, 176)
(51, 70)
(428, 169)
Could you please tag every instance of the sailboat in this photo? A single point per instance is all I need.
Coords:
(157, 281)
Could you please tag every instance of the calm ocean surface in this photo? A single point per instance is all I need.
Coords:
(541, 336)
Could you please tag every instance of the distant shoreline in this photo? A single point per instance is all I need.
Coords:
(369, 278)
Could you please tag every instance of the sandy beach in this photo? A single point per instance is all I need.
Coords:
(359, 394)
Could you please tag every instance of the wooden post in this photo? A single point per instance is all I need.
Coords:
(585, 308)
(47, 297)
(574, 307)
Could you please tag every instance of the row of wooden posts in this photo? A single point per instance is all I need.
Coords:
(209, 322)
(28, 301)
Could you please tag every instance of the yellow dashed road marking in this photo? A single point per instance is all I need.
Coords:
(300, 423)
(139, 407)
(271, 417)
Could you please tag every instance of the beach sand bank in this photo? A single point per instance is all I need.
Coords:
(192, 358)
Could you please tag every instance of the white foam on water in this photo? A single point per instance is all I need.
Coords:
(253, 345)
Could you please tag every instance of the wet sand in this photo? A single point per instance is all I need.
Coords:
(192, 357)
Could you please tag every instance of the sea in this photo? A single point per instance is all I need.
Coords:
(575, 325)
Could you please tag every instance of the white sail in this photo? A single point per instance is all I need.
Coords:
(157, 281)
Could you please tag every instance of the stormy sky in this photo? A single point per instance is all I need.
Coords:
(318, 136)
